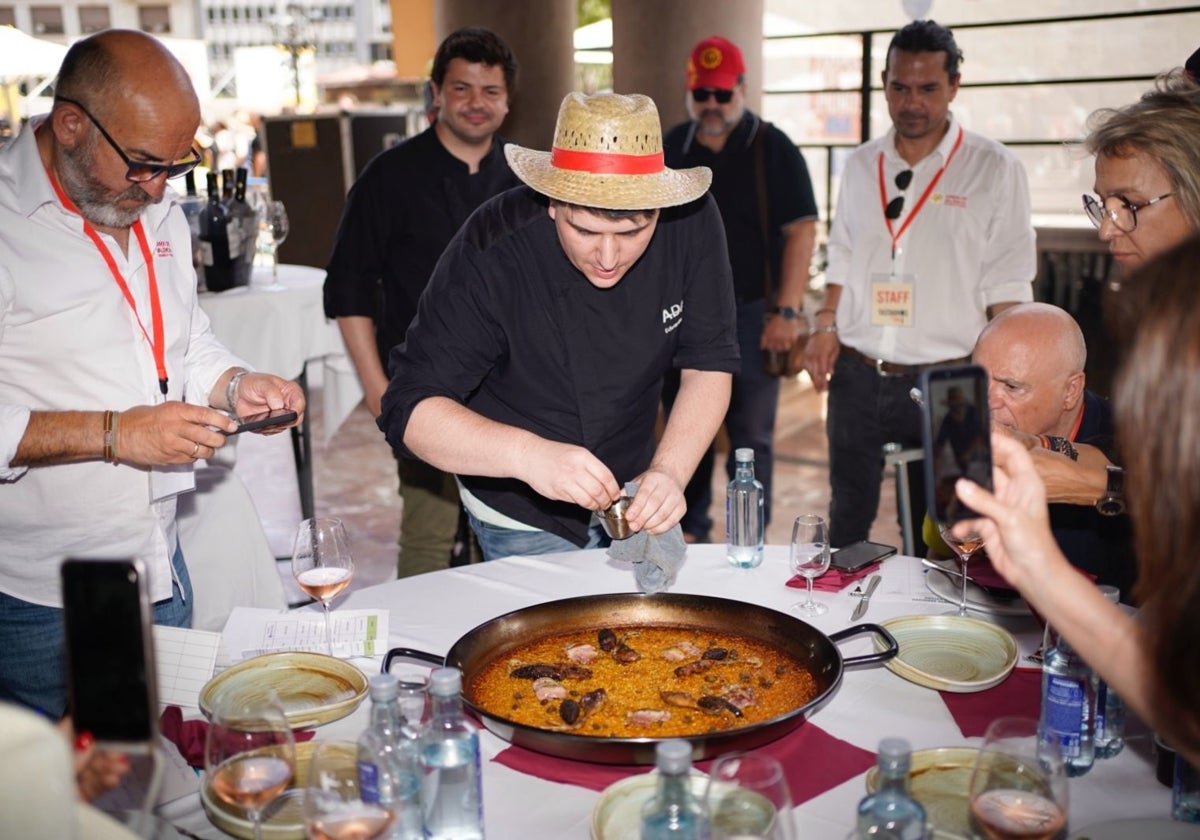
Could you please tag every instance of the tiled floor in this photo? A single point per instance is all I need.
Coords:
(355, 479)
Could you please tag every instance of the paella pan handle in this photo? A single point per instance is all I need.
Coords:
(411, 653)
(858, 629)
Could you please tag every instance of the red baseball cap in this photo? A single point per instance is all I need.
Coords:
(715, 63)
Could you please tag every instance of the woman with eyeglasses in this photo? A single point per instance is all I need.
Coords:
(1147, 171)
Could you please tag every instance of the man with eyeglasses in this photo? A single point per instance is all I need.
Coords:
(762, 187)
(932, 235)
(110, 378)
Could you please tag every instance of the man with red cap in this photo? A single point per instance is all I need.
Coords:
(762, 187)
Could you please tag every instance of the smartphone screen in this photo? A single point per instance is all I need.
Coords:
(857, 555)
(957, 437)
(110, 661)
(274, 417)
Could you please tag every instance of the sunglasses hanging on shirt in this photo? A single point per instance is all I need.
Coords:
(896, 206)
(723, 97)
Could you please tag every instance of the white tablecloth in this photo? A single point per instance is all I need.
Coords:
(280, 327)
(430, 612)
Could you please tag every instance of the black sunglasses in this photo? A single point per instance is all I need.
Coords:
(896, 205)
(723, 97)
(138, 171)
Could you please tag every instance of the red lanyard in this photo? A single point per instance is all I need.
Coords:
(920, 201)
(157, 344)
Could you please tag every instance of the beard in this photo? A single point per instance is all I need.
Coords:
(97, 203)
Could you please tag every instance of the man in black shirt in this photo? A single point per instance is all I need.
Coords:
(398, 218)
(534, 367)
(761, 185)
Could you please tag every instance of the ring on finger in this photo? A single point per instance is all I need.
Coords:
(196, 450)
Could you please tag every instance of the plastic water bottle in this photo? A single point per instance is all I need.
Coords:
(451, 795)
(388, 771)
(1068, 701)
(673, 813)
(1110, 709)
(744, 514)
(891, 811)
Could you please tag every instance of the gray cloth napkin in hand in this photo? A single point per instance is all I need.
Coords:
(656, 558)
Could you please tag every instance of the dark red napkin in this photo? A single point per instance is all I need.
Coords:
(981, 570)
(813, 760)
(189, 735)
(833, 580)
(1020, 694)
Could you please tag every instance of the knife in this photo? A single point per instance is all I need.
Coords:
(860, 610)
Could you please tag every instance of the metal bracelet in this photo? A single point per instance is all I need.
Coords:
(828, 328)
(231, 390)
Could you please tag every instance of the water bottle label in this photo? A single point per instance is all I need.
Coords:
(368, 782)
(1063, 712)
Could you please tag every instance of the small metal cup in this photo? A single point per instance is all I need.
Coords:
(613, 520)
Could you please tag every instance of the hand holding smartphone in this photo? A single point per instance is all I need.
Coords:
(956, 429)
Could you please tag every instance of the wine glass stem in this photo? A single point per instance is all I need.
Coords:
(962, 604)
(328, 631)
(809, 581)
(255, 815)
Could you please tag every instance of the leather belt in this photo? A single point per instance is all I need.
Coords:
(892, 368)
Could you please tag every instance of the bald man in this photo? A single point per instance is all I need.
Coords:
(110, 377)
(1035, 354)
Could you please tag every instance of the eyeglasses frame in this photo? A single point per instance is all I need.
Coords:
(896, 206)
(1089, 201)
(172, 170)
(703, 94)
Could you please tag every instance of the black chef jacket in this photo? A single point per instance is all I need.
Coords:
(510, 328)
(399, 216)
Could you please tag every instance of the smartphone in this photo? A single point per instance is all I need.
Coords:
(855, 556)
(107, 618)
(274, 417)
(957, 437)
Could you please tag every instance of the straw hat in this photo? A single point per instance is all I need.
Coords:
(608, 153)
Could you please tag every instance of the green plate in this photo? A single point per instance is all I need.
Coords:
(940, 780)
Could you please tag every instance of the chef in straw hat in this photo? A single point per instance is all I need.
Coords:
(534, 366)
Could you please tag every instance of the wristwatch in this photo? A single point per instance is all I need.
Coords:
(787, 313)
(1113, 500)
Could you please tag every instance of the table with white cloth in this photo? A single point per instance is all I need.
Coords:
(278, 325)
(432, 611)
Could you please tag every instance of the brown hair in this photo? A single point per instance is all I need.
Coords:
(1157, 401)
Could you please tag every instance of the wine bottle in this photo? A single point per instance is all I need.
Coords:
(233, 230)
(214, 241)
(451, 796)
(192, 206)
(744, 514)
(242, 218)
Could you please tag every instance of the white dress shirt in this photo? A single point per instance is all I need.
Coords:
(70, 341)
(970, 246)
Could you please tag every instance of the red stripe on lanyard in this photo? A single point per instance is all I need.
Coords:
(157, 344)
(606, 163)
(920, 201)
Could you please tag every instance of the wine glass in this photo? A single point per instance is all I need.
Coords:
(334, 804)
(964, 547)
(1018, 785)
(810, 557)
(273, 228)
(321, 563)
(249, 754)
(747, 797)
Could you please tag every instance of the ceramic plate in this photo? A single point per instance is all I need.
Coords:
(313, 688)
(1157, 829)
(950, 652)
(940, 780)
(948, 588)
(284, 817)
(618, 813)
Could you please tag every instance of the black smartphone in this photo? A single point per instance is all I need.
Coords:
(274, 417)
(107, 620)
(851, 558)
(957, 437)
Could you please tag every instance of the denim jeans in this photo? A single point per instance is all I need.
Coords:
(749, 422)
(496, 541)
(867, 410)
(32, 667)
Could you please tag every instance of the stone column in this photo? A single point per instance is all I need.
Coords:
(652, 40)
(540, 33)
